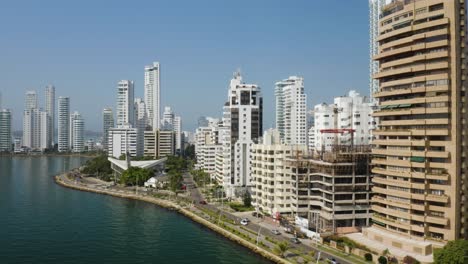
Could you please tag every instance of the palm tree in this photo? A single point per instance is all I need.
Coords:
(281, 248)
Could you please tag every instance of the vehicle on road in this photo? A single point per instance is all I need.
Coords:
(203, 202)
(275, 232)
(288, 229)
(295, 240)
(244, 222)
(332, 261)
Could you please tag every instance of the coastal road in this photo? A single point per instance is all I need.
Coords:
(196, 196)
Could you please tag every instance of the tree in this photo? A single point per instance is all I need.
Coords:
(98, 166)
(123, 157)
(455, 252)
(368, 257)
(410, 260)
(135, 176)
(281, 248)
(382, 260)
(247, 199)
(175, 181)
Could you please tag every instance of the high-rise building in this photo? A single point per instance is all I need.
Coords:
(167, 121)
(63, 124)
(159, 143)
(122, 140)
(107, 123)
(75, 115)
(177, 124)
(152, 94)
(32, 128)
(419, 154)
(125, 103)
(44, 123)
(50, 109)
(31, 100)
(272, 190)
(375, 7)
(291, 111)
(78, 132)
(207, 144)
(5, 130)
(243, 121)
(352, 112)
(141, 121)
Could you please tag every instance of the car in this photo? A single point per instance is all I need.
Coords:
(295, 240)
(288, 229)
(246, 219)
(275, 232)
(202, 202)
(332, 261)
(244, 222)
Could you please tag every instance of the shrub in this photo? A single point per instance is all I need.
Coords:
(368, 257)
(382, 260)
(410, 260)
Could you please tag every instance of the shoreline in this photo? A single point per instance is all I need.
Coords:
(181, 210)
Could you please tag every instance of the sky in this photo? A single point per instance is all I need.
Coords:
(85, 47)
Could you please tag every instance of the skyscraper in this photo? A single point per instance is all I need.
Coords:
(44, 124)
(375, 6)
(50, 109)
(63, 124)
(107, 123)
(75, 115)
(32, 128)
(152, 94)
(125, 103)
(167, 121)
(420, 181)
(177, 124)
(5, 130)
(31, 100)
(291, 111)
(141, 121)
(243, 122)
(78, 132)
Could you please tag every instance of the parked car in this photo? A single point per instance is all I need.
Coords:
(244, 222)
(288, 229)
(203, 202)
(275, 232)
(332, 261)
(295, 240)
(246, 219)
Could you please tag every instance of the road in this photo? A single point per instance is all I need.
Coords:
(196, 196)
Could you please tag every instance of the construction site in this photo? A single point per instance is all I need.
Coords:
(332, 189)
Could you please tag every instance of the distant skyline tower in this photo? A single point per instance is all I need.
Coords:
(291, 111)
(125, 103)
(5, 130)
(50, 109)
(31, 100)
(63, 123)
(107, 123)
(167, 119)
(177, 124)
(32, 128)
(153, 94)
(78, 132)
(141, 121)
(75, 115)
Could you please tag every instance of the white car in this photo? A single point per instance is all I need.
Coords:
(244, 222)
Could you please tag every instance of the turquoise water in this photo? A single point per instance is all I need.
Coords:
(41, 222)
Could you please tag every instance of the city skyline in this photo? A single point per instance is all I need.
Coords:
(198, 69)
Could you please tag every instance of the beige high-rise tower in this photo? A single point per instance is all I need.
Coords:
(419, 154)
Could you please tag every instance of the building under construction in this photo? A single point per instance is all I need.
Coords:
(331, 188)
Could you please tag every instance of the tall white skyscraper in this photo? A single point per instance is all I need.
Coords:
(75, 115)
(5, 130)
(152, 94)
(107, 123)
(31, 100)
(141, 121)
(291, 111)
(243, 120)
(44, 123)
(78, 132)
(63, 123)
(125, 103)
(32, 128)
(177, 124)
(167, 121)
(50, 109)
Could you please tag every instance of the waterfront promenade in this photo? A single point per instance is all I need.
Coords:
(256, 235)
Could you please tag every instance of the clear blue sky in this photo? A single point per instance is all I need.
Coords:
(85, 47)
